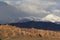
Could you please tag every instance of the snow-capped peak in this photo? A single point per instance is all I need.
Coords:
(51, 18)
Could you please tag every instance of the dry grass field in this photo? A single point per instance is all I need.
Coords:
(8, 32)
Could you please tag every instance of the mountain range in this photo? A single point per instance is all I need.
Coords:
(37, 25)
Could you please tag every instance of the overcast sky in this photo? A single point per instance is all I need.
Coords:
(36, 8)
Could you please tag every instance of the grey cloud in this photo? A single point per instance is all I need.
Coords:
(36, 7)
(27, 8)
(9, 13)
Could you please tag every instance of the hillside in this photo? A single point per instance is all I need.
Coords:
(38, 25)
(8, 32)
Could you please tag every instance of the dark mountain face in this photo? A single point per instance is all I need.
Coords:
(38, 25)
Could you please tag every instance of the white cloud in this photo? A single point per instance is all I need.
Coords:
(51, 18)
(39, 7)
(30, 18)
(33, 6)
(56, 11)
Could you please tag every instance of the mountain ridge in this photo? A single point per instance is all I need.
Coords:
(38, 25)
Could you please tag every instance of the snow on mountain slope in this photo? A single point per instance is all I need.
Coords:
(51, 18)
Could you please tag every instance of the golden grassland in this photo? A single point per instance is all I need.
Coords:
(8, 32)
